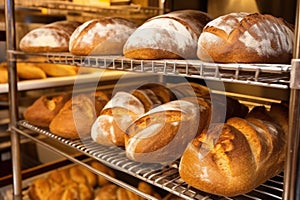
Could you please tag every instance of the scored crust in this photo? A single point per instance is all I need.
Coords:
(246, 38)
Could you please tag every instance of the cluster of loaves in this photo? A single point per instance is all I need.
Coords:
(215, 137)
(77, 182)
(183, 34)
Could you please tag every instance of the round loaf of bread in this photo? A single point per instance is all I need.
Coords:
(246, 38)
(233, 158)
(101, 36)
(52, 37)
(161, 135)
(172, 35)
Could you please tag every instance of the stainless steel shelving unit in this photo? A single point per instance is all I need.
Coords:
(285, 186)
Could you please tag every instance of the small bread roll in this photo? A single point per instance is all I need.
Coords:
(101, 36)
(101, 167)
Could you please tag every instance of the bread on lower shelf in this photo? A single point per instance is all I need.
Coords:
(77, 182)
(233, 158)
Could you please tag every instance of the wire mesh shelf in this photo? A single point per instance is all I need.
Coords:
(163, 176)
(265, 75)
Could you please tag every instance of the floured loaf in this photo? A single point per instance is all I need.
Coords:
(172, 35)
(101, 36)
(53, 37)
(246, 38)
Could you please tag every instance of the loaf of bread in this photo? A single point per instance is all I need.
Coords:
(57, 70)
(75, 182)
(44, 109)
(233, 158)
(122, 109)
(246, 38)
(101, 36)
(53, 37)
(162, 134)
(75, 118)
(173, 35)
(63, 184)
(114, 192)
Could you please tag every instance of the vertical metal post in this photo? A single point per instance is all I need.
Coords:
(292, 167)
(161, 5)
(12, 94)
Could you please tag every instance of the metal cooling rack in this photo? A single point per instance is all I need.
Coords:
(165, 177)
(265, 75)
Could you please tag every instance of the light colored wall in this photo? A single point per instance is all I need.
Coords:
(220, 7)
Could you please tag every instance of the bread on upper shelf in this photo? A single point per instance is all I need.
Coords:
(53, 37)
(104, 36)
(246, 38)
(172, 35)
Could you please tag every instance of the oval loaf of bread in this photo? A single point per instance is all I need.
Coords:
(172, 35)
(101, 36)
(233, 158)
(53, 37)
(162, 134)
(246, 38)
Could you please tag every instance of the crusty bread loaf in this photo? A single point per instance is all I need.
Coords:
(246, 38)
(53, 37)
(172, 35)
(122, 109)
(235, 157)
(44, 109)
(62, 184)
(75, 118)
(101, 36)
(161, 135)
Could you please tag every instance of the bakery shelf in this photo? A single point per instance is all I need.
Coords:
(103, 75)
(162, 176)
(265, 75)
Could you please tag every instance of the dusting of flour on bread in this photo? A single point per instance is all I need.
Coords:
(153, 34)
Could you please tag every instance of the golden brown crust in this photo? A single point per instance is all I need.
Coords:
(75, 119)
(255, 145)
(246, 38)
(101, 167)
(155, 38)
(101, 36)
(218, 155)
(57, 70)
(162, 134)
(44, 109)
(30, 71)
